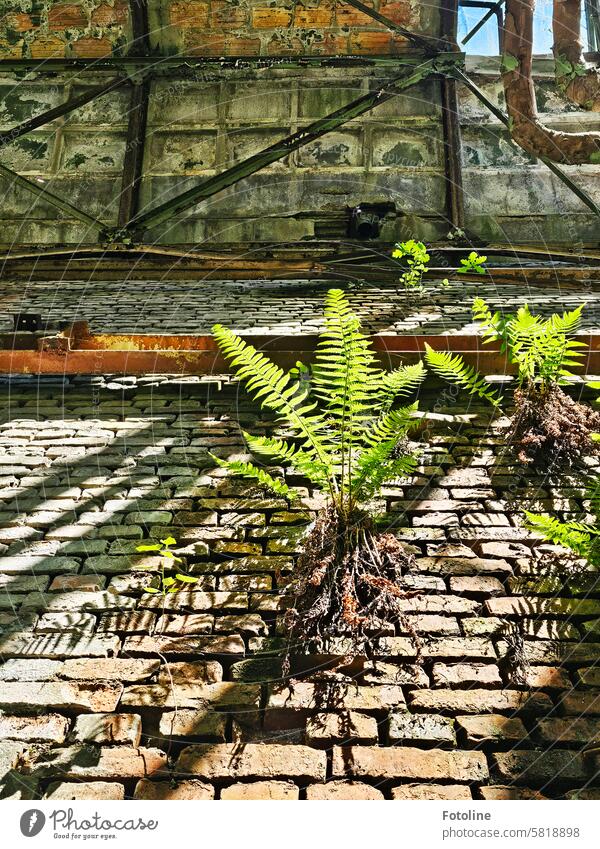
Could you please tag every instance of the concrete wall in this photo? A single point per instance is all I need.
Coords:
(201, 125)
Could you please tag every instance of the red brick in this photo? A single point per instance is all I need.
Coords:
(107, 762)
(92, 48)
(480, 701)
(325, 729)
(252, 760)
(270, 18)
(161, 790)
(66, 16)
(454, 792)
(189, 14)
(342, 790)
(406, 762)
(47, 47)
(314, 18)
(491, 728)
(540, 767)
(261, 790)
(493, 794)
(225, 15)
(81, 790)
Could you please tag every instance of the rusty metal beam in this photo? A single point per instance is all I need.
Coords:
(429, 45)
(76, 351)
(283, 148)
(58, 111)
(455, 205)
(134, 153)
(139, 26)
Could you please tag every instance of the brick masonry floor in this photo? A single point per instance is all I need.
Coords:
(105, 694)
(278, 307)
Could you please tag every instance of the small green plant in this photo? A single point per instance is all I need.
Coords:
(473, 264)
(414, 255)
(542, 349)
(171, 578)
(582, 538)
(347, 439)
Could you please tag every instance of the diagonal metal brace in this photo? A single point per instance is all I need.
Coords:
(411, 76)
(431, 46)
(45, 195)
(583, 196)
(60, 110)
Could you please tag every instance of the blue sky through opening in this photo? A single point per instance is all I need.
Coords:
(485, 43)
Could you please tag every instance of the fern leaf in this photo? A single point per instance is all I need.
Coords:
(276, 390)
(302, 461)
(401, 382)
(249, 470)
(568, 534)
(454, 369)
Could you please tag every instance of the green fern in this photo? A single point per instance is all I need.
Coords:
(345, 436)
(453, 368)
(541, 349)
(576, 536)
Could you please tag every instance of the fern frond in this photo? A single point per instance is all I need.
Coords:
(571, 535)
(454, 369)
(401, 382)
(492, 325)
(249, 470)
(302, 461)
(375, 466)
(276, 390)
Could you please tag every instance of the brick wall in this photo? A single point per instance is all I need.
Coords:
(104, 694)
(281, 28)
(54, 28)
(49, 29)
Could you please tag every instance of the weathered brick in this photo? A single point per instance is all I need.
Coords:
(196, 601)
(422, 727)
(305, 696)
(34, 729)
(497, 794)
(83, 696)
(115, 669)
(573, 730)
(550, 652)
(261, 790)
(538, 606)
(540, 767)
(226, 695)
(479, 701)
(405, 762)
(462, 566)
(326, 729)
(207, 671)
(342, 790)
(30, 669)
(193, 722)
(581, 703)
(107, 762)
(178, 646)
(78, 601)
(246, 624)
(192, 623)
(466, 675)
(476, 585)
(183, 790)
(253, 760)
(453, 792)
(491, 728)
(22, 644)
(107, 729)
(90, 790)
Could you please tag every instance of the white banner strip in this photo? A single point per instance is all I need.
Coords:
(268, 825)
